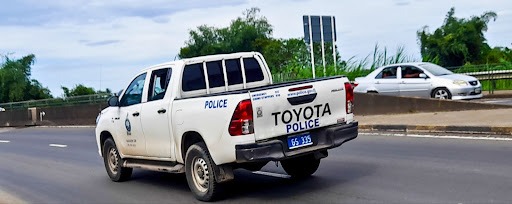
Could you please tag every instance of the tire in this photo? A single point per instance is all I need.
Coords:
(441, 93)
(113, 162)
(200, 173)
(301, 167)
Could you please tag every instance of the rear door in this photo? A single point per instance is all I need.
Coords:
(387, 82)
(298, 108)
(155, 115)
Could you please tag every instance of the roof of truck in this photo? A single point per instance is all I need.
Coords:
(203, 58)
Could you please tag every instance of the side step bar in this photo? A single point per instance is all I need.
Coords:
(169, 167)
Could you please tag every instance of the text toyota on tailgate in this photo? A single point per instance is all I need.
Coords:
(206, 116)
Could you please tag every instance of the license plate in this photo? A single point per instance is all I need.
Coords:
(299, 141)
(478, 90)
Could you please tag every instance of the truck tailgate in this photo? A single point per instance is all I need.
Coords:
(295, 109)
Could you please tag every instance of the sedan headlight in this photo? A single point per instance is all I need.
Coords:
(460, 82)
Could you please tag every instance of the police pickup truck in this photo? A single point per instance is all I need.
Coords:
(206, 116)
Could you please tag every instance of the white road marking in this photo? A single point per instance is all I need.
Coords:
(272, 174)
(4, 141)
(438, 136)
(492, 101)
(58, 145)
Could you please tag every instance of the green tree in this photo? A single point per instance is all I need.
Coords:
(78, 90)
(15, 82)
(458, 41)
(242, 35)
(281, 54)
(107, 91)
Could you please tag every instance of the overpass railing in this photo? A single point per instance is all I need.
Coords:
(67, 101)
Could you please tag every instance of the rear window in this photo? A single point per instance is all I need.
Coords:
(253, 70)
(234, 71)
(215, 74)
(193, 77)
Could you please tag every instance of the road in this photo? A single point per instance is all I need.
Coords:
(61, 165)
(499, 101)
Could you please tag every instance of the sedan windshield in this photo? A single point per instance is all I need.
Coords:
(436, 69)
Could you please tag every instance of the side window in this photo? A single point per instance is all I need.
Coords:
(411, 72)
(234, 72)
(215, 74)
(253, 70)
(387, 73)
(158, 84)
(133, 94)
(193, 77)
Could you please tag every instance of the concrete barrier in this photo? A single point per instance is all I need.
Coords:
(15, 118)
(374, 104)
(365, 104)
(69, 115)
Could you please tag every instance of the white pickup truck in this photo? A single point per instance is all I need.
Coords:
(206, 116)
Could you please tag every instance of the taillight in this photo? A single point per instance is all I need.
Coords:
(349, 92)
(241, 121)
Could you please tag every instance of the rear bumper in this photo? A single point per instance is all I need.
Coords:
(277, 149)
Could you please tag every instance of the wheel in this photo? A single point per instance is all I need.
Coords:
(199, 170)
(441, 93)
(301, 167)
(113, 162)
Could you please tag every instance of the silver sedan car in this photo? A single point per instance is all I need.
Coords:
(420, 79)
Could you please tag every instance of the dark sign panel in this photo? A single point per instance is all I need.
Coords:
(327, 23)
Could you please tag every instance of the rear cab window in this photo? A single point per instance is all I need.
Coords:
(219, 75)
(234, 72)
(253, 71)
(193, 80)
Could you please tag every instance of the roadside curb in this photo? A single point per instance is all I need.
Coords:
(505, 131)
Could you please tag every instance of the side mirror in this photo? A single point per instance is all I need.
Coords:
(113, 101)
(423, 75)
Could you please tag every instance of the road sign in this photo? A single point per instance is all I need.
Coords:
(327, 25)
(320, 29)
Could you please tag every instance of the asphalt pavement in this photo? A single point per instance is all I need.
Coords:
(499, 101)
(494, 121)
(61, 165)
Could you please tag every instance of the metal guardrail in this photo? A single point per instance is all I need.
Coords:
(88, 99)
(490, 75)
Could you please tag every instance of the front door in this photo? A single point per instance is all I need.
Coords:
(412, 85)
(157, 119)
(128, 123)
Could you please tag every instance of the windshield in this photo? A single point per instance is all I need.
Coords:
(436, 70)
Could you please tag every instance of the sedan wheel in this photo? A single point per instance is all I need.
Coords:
(441, 93)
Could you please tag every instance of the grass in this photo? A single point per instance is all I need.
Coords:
(353, 68)
(499, 84)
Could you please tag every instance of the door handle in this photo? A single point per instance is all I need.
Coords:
(161, 111)
(378, 82)
(136, 114)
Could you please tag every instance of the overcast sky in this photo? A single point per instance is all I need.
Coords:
(103, 44)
